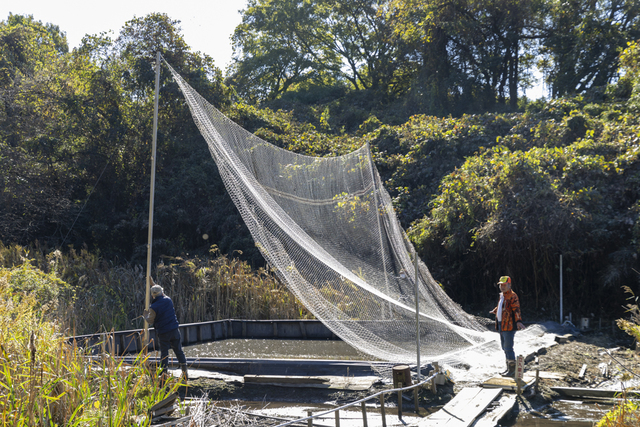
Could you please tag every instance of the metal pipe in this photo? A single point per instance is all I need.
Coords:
(151, 196)
(561, 313)
(417, 280)
(364, 414)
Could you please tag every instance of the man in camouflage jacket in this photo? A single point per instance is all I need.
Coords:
(508, 320)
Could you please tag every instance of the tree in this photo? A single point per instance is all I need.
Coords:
(584, 40)
(75, 138)
(117, 215)
(35, 79)
(283, 44)
(469, 53)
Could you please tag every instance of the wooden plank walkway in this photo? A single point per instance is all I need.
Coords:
(463, 409)
(492, 418)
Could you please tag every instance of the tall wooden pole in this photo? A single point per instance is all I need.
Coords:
(151, 196)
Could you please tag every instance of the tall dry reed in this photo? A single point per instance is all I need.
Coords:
(103, 295)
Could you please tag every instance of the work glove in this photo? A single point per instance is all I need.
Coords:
(149, 315)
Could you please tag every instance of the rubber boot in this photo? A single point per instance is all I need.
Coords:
(506, 368)
(511, 371)
(185, 373)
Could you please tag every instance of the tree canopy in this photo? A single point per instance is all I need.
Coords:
(435, 57)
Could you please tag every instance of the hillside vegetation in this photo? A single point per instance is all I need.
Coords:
(485, 183)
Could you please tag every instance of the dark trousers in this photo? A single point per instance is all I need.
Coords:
(173, 340)
(506, 341)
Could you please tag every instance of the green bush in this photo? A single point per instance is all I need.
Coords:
(516, 210)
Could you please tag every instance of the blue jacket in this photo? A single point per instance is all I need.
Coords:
(166, 320)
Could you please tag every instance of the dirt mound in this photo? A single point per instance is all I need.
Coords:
(607, 357)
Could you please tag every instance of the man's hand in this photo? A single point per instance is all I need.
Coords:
(520, 326)
(149, 316)
(494, 311)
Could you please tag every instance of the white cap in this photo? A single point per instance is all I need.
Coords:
(156, 290)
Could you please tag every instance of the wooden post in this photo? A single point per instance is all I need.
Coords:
(309, 421)
(382, 412)
(401, 376)
(337, 413)
(583, 371)
(415, 399)
(364, 414)
(436, 370)
(519, 373)
(537, 380)
(399, 404)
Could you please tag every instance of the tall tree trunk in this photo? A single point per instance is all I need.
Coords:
(513, 78)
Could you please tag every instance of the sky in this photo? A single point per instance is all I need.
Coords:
(206, 25)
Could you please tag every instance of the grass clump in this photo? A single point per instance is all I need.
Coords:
(627, 413)
(46, 381)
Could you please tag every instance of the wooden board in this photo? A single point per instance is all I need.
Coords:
(463, 410)
(583, 371)
(492, 418)
(169, 400)
(547, 375)
(194, 374)
(506, 383)
(331, 382)
(592, 392)
(564, 338)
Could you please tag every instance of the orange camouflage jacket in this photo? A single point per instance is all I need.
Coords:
(510, 312)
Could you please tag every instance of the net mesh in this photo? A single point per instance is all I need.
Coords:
(327, 227)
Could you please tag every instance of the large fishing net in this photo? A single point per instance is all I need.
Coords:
(326, 225)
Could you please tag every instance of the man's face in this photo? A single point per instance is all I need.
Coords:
(504, 287)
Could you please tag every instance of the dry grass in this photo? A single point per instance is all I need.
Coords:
(96, 295)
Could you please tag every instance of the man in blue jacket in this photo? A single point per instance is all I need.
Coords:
(162, 316)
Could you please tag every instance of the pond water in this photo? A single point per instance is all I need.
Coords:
(276, 349)
(565, 413)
